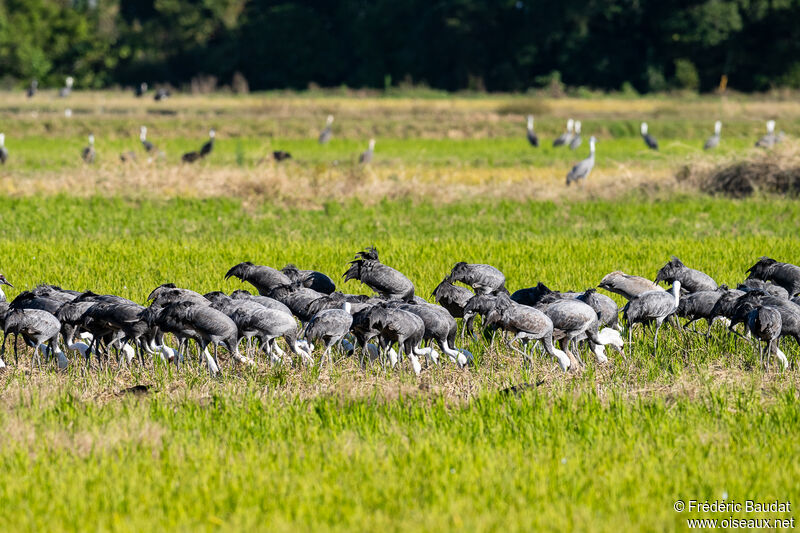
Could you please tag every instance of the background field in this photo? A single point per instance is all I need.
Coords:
(610, 448)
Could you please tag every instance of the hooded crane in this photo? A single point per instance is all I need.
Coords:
(191, 157)
(756, 284)
(384, 280)
(441, 328)
(263, 278)
(484, 279)
(147, 145)
(401, 327)
(266, 301)
(88, 152)
(770, 139)
(691, 280)
(310, 278)
(267, 325)
(713, 141)
(366, 156)
(527, 324)
(573, 319)
(652, 306)
(700, 304)
(452, 297)
(576, 140)
(764, 323)
(532, 137)
(3, 149)
(606, 308)
(162, 93)
(566, 137)
(140, 90)
(32, 88)
(67, 88)
(581, 170)
(626, 285)
(4, 281)
(479, 304)
(649, 140)
(36, 326)
(330, 326)
(327, 133)
(786, 275)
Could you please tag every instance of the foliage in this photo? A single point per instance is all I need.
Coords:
(446, 44)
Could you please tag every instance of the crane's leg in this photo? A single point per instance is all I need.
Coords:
(15, 349)
(655, 337)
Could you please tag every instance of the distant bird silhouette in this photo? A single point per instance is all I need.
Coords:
(281, 155)
(140, 90)
(566, 137)
(532, 137)
(88, 153)
(713, 141)
(327, 133)
(576, 140)
(3, 149)
(649, 140)
(366, 156)
(770, 139)
(32, 88)
(191, 157)
(66, 90)
(161, 94)
(582, 170)
(147, 145)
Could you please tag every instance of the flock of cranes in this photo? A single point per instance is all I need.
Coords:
(572, 138)
(304, 308)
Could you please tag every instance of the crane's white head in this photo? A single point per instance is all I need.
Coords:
(570, 125)
(592, 142)
(329, 120)
(91, 140)
(2, 139)
(372, 144)
(717, 127)
(212, 133)
(530, 122)
(143, 133)
(68, 112)
(70, 81)
(577, 126)
(770, 126)
(644, 128)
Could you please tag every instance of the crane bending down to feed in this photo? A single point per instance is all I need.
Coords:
(581, 170)
(384, 280)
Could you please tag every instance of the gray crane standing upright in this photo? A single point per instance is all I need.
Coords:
(576, 140)
(532, 137)
(327, 133)
(366, 156)
(88, 153)
(3, 149)
(649, 140)
(581, 170)
(566, 137)
(713, 141)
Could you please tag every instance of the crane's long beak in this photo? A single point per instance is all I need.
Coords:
(4, 281)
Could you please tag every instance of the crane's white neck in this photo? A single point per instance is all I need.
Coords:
(212, 133)
(371, 144)
(530, 122)
(91, 140)
(676, 292)
(329, 120)
(771, 126)
(717, 127)
(143, 133)
(2, 139)
(644, 128)
(570, 125)
(347, 307)
(591, 145)
(563, 360)
(2, 295)
(577, 126)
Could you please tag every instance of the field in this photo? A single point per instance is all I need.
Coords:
(277, 448)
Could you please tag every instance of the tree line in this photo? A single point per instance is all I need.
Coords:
(494, 45)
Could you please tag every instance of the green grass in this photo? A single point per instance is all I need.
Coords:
(238, 461)
(275, 448)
